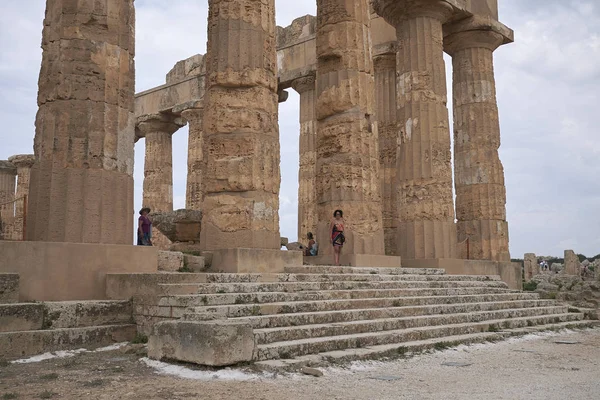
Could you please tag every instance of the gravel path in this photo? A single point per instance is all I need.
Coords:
(529, 368)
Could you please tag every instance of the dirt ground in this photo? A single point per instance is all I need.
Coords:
(529, 368)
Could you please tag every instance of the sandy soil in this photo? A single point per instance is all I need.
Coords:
(529, 368)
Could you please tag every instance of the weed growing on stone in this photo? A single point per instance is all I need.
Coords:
(9, 396)
(140, 338)
(493, 328)
(530, 286)
(4, 363)
(185, 269)
(46, 394)
(396, 303)
(221, 291)
(204, 300)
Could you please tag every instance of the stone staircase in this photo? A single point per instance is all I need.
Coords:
(313, 314)
(28, 329)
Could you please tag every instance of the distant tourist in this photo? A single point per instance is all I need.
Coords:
(144, 228)
(337, 235)
(313, 248)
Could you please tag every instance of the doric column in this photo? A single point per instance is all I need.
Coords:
(82, 182)
(241, 134)
(478, 171)
(23, 162)
(307, 201)
(158, 163)
(8, 174)
(385, 94)
(425, 202)
(347, 140)
(193, 196)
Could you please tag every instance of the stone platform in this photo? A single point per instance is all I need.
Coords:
(358, 260)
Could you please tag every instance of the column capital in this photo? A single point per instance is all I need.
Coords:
(192, 114)
(394, 11)
(304, 84)
(7, 167)
(167, 124)
(459, 41)
(384, 62)
(22, 160)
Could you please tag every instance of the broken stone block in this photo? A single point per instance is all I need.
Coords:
(295, 246)
(170, 261)
(179, 226)
(194, 263)
(211, 343)
(572, 264)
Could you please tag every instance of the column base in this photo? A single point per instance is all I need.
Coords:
(253, 261)
(509, 272)
(357, 260)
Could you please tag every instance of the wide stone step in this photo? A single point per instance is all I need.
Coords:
(330, 317)
(276, 297)
(63, 314)
(294, 348)
(325, 269)
(381, 277)
(281, 334)
(220, 288)
(396, 350)
(27, 343)
(244, 310)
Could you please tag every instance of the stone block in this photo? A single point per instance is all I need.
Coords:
(210, 343)
(254, 260)
(21, 317)
(530, 266)
(194, 263)
(9, 288)
(179, 226)
(358, 260)
(170, 261)
(572, 264)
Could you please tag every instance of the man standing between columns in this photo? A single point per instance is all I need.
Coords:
(347, 140)
(424, 175)
(478, 171)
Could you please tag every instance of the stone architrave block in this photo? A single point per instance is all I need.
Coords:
(572, 264)
(211, 343)
(170, 261)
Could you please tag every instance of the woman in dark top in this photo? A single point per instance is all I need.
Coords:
(337, 235)
(144, 228)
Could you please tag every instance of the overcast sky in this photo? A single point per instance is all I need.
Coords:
(548, 84)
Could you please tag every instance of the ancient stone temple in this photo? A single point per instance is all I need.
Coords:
(81, 183)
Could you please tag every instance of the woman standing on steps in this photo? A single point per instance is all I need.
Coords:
(337, 235)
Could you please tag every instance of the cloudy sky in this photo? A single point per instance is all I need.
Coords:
(548, 85)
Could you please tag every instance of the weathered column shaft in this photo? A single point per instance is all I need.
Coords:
(425, 202)
(194, 195)
(478, 171)
(241, 134)
(158, 163)
(23, 163)
(385, 93)
(307, 201)
(81, 184)
(347, 139)
(8, 174)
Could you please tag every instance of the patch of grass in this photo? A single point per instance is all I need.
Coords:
(574, 310)
(4, 363)
(204, 300)
(49, 377)
(221, 291)
(193, 253)
(94, 383)
(397, 303)
(185, 269)
(140, 338)
(46, 394)
(255, 310)
(552, 295)
(530, 286)
(401, 350)
(439, 346)
(9, 396)
(493, 328)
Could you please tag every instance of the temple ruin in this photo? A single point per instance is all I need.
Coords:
(420, 265)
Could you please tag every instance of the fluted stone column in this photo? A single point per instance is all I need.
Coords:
(8, 174)
(193, 196)
(23, 162)
(241, 134)
(347, 140)
(478, 171)
(307, 201)
(158, 163)
(385, 94)
(425, 202)
(82, 182)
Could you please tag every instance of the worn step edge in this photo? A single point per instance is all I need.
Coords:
(400, 350)
(324, 317)
(241, 310)
(319, 269)
(28, 343)
(340, 342)
(289, 333)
